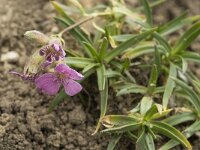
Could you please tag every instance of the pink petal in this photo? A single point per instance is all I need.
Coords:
(72, 87)
(48, 83)
(71, 73)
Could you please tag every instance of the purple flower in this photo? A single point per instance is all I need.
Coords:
(52, 52)
(24, 76)
(64, 75)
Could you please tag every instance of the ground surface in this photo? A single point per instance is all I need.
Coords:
(24, 121)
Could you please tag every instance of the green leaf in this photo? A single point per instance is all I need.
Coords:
(113, 142)
(75, 33)
(92, 51)
(79, 62)
(162, 41)
(148, 12)
(60, 97)
(191, 56)
(153, 79)
(169, 86)
(67, 21)
(158, 60)
(78, 5)
(169, 145)
(152, 4)
(161, 114)
(187, 38)
(109, 38)
(103, 104)
(149, 141)
(194, 97)
(184, 65)
(172, 25)
(110, 73)
(145, 142)
(104, 98)
(170, 132)
(132, 89)
(101, 77)
(180, 118)
(193, 128)
(146, 103)
(90, 66)
(172, 143)
(110, 121)
(103, 48)
(151, 112)
(124, 128)
(122, 37)
(140, 141)
(138, 51)
(127, 44)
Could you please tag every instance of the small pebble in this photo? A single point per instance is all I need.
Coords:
(10, 57)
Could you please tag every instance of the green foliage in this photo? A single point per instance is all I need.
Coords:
(111, 55)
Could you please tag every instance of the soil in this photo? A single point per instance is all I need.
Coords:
(25, 123)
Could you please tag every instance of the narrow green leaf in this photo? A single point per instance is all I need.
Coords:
(170, 132)
(140, 50)
(169, 86)
(161, 114)
(103, 48)
(67, 21)
(110, 73)
(188, 89)
(172, 143)
(149, 142)
(158, 60)
(117, 120)
(79, 62)
(76, 34)
(193, 128)
(101, 77)
(60, 97)
(127, 44)
(122, 37)
(78, 5)
(132, 89)
(109, 38)
(184, 65)
(172, 25)
(146, 103)
(162, 41)
(141, 139)
(152, 4)
(148, 12)
(124, 128)
(90, 66)
(180, 118)
(187, 38)
(113, 142)
(92, 51)
(169, 145)
(191, 56)
(151, 112)
(104, 98)
(153, 79)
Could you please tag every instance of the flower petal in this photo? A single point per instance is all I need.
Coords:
(72, 87)
(56, 47)
(48, 83)
(24, 76)
(71, 73)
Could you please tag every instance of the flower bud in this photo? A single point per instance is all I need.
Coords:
(34, 63)
(37, 37)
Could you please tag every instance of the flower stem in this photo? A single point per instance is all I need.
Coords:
(75, 25)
